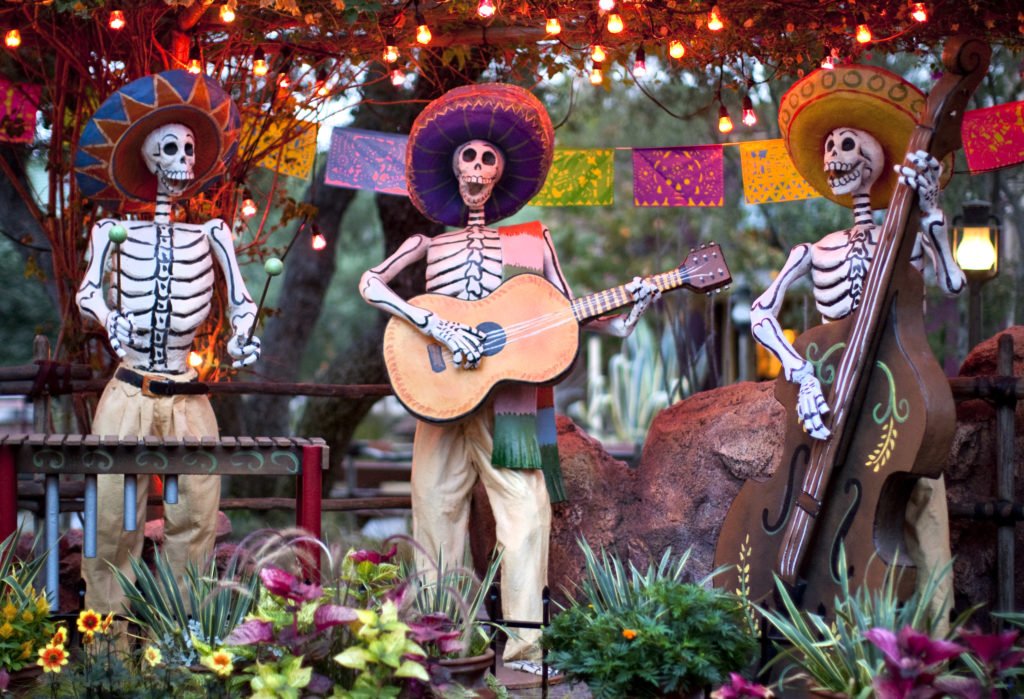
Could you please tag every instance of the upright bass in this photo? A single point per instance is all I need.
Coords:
(892, 416)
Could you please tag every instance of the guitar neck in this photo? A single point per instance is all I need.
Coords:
(593, 305)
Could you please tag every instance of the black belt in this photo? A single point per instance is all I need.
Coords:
(160, 387)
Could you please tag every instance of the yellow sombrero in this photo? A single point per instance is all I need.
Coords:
(861, 97)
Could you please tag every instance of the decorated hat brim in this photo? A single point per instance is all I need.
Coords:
(507, 116)
(109, 166)
(860, 97)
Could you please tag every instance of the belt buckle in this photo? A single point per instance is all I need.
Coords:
(146, 379)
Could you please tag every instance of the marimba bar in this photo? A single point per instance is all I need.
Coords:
(52, 455)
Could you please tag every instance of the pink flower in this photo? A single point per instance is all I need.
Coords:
(995, 650)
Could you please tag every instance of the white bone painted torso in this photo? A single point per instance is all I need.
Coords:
(162, 275)
(838, 263)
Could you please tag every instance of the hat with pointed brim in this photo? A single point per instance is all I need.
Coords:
(507, 116)
(108, 164)
(861, 97)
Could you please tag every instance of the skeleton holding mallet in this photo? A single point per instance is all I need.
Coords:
(162, 137)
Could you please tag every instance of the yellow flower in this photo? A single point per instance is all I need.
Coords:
(26, 649)
(153, 656)
(42, 605)
(89, 621)
(87, 638)
(107, 622)
(6, 631)
(220, 662)
(27, 616)
(630, 634)
(51, 658)
(60, 637)
(10, 611)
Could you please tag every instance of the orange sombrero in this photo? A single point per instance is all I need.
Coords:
(861, 97)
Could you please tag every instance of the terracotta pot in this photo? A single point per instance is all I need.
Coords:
(469, 672)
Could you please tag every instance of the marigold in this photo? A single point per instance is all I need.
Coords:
(220, 662)
(630, 634)
(52, 658)
(89, 621)
(10, 611)
(153, 656)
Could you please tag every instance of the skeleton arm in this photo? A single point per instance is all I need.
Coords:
(90, 292)
(764, 325)
(921, 173)
(465, 343)
(643, 292)
(241, 308)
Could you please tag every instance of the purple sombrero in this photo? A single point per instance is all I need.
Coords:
(109, 165)
(509, 117)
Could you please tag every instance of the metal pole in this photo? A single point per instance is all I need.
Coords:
(973, 311)
(1004, 480)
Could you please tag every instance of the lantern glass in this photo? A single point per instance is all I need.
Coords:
(976, 240)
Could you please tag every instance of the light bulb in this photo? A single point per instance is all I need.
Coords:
(863, 34)
(485, 8)
(259, 63)
(919, 12)
(596, 77)
(640, 63)
(553, 26)
(423, 35)
(975, 251)
(227, 15)
(749, 115)
(606, 5)
(116, 20)
(397, 77)
(390, 54)
(194, 66)
(597, 54)
(319, 242)
(724, 122)
(715, 19)
(284, 81)
(195, 359)
(320, 87)
(676, 49)
(827, 63)
(248, 206)
(12, 39)
(615, 25)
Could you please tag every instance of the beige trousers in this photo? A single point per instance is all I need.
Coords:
(926, 529)
(446, 462)
(190, 526)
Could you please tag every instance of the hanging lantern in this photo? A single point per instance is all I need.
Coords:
(676, 49)
(397, 77)
(423, 35)
(918, 12)
(606, 5)
(390, 54)
(320, 88)
(724, 121)
(715, 22)
(596, 76)
(248, 205)
(259, 63)
(12, 39)
(227, 15)
(486, 8)
(749, 115)
(640, 63)
(552, 26)
(116, 21)
(195, 61)
(615, 25)
(319, 242)
(597, 54)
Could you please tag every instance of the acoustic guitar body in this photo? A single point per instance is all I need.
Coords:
(532, 337)
(903, 431)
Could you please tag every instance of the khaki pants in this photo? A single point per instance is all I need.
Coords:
(446, 462)
(190, 526)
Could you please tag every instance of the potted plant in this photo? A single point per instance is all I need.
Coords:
(647, 633)
(878, 645)
(444, 610)
(25, 623)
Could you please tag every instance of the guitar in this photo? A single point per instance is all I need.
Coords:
(532, 336)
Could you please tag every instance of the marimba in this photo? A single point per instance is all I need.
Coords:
(53, 455)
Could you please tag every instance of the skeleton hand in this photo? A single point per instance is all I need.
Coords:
(119, 330)
(243, 349)
(810, 402)
(921, 173)
(466, 343)
(644, 293)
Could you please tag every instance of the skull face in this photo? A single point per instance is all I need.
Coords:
(478, 165)
(170, 154)
(853, 161)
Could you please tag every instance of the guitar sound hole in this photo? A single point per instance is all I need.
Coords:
(495, 341)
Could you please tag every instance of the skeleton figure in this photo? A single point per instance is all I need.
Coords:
(449, 458)
(839, 262)
(161, 286)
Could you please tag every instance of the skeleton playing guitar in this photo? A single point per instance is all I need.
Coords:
(532, 336)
